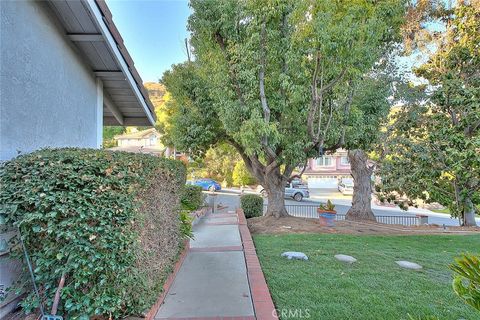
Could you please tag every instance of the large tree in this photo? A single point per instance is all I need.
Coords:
(276, 79)
(369, 112)
(433, 150)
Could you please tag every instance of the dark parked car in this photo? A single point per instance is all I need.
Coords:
(208, 184)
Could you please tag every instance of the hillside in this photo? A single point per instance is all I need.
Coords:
(156, 92)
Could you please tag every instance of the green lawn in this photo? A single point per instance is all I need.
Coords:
(372, 288)
(445, 210)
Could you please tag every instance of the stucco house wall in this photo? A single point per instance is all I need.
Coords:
(48, 95)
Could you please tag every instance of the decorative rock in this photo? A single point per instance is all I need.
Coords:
(409, 265)
(295, 255)
(345, 258)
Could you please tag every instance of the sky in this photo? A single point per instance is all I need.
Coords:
(153, 32)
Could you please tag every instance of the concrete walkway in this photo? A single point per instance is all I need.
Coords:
(212, 282)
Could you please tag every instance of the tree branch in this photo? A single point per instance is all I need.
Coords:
(312, 110)
(299, 176)
(263, 99)
(231, 72)
(334, 81)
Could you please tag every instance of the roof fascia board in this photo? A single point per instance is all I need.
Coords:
(95, 11)
(79, 37)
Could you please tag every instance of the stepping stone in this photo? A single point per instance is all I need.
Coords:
(409, 265)
(295, 255)
(345, 258)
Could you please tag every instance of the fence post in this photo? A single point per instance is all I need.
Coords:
(422, 220)
(211, 202)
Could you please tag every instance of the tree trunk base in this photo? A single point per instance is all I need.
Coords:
(277, 213)
(362, 187)
(360, 215)
(469, 214)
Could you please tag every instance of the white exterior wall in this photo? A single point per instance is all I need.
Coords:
(48, 96)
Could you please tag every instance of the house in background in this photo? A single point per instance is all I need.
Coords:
(146, 141)
(144, 138)
(325, 172)
(65, 73)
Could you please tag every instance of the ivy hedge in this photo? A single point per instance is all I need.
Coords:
(108, 221)
(192, 197)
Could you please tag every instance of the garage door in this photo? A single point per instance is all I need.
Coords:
(319, 183)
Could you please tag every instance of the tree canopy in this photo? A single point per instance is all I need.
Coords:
(433, 150)
(276, 79)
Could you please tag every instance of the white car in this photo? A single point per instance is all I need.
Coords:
(345, 186)
(294, 190)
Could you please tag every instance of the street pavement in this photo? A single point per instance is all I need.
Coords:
(343, 204)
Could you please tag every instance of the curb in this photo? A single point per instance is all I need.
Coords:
(262, 301)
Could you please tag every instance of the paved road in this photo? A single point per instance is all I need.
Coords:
(231, 197)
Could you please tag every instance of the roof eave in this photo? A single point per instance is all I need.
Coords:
(98, 9)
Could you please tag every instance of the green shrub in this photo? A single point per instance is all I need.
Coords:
(107, 220)
(192, 197)
(252, 205)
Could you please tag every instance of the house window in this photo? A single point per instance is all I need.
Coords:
(324, 161)
(153, 140)
(344, 161)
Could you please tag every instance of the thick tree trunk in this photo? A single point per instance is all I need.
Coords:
(362, 189)
(274, 184)
(469, 214)
(276, 202)
(272, 180)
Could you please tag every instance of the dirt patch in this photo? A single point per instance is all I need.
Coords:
(271, 225)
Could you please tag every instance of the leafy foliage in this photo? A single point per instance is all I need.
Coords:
(275, 79)
(252, 205)
(466, 283)
(109, 132)
(100, 218)
(329, 206)
(432, 150)
(241, 176)
(216, 164)
(192, 197)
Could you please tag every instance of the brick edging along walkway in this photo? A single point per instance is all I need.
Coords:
(150, 314)
(261, 298)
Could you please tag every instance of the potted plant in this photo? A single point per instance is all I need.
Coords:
(326, 214)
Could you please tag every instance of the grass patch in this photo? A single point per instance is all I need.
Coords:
(444, 210)
(372, 288)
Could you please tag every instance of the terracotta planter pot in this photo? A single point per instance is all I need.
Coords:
(327, 218)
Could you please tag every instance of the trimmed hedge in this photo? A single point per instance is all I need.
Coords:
(192, 197)
(108, 221)
(252, 205)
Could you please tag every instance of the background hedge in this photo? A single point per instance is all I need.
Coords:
(192, 197)
(252, 205)
(107, 220)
